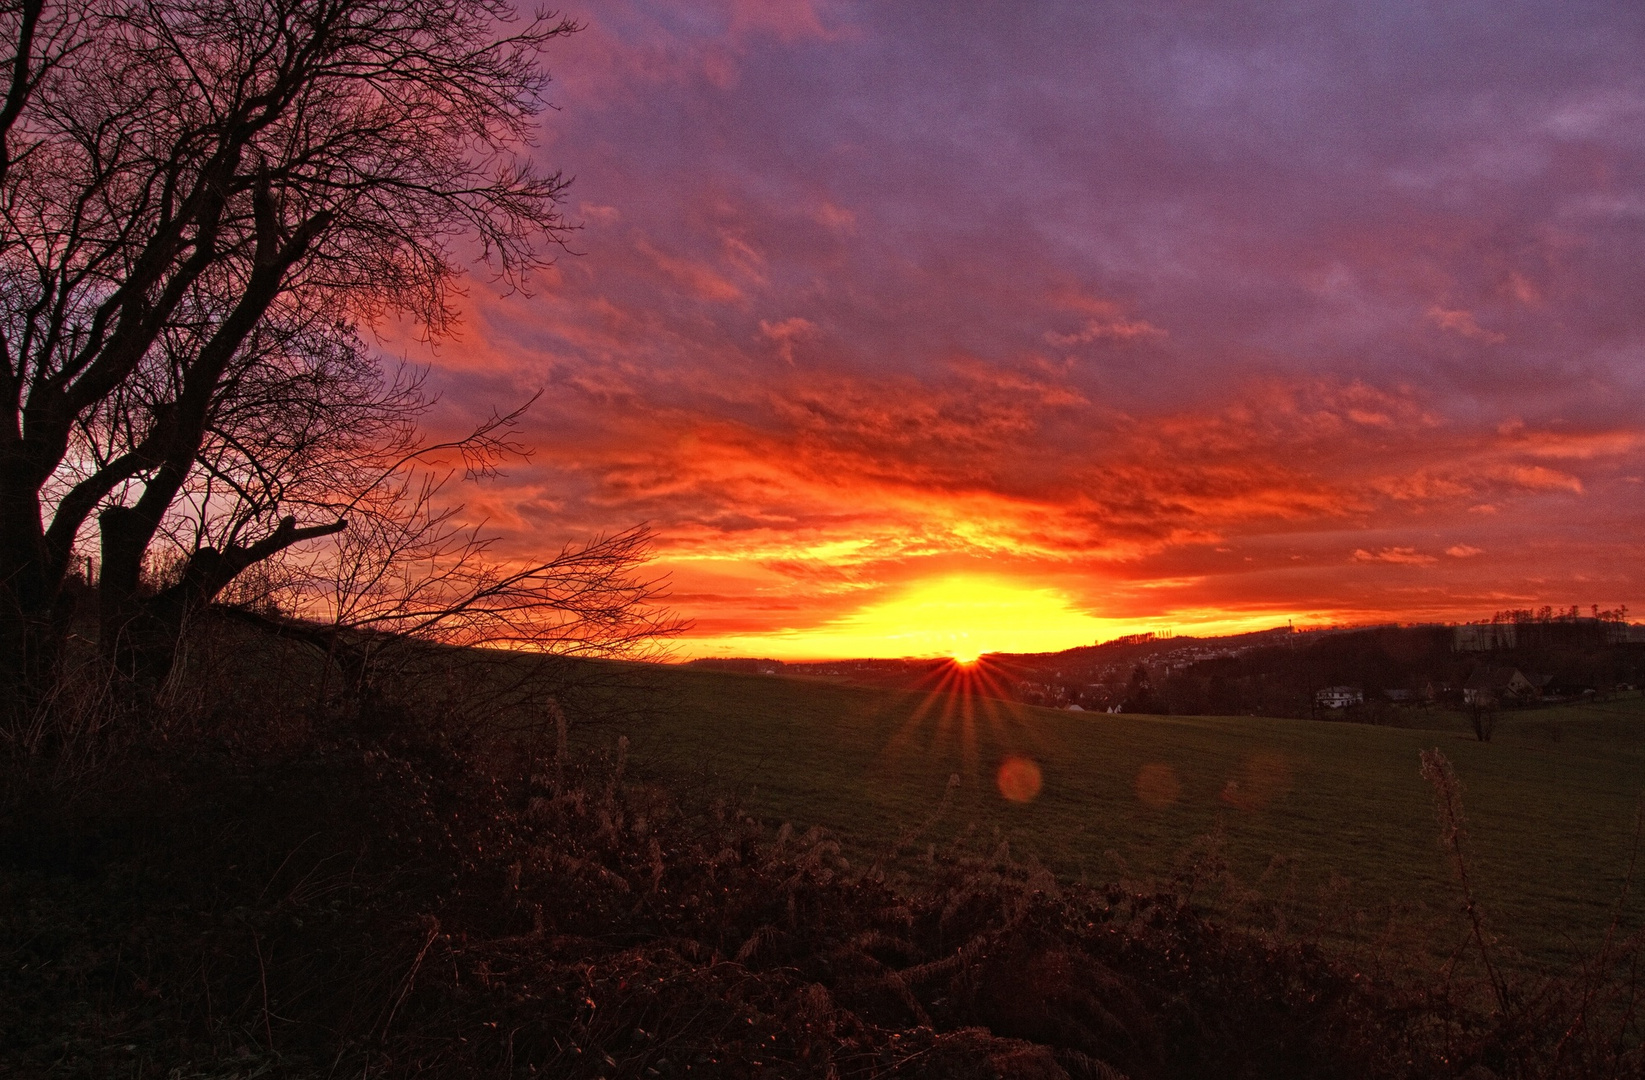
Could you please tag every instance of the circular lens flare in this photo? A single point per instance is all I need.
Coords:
(1158, 786)
(1020, 779)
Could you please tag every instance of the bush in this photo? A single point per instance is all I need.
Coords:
(382, 896)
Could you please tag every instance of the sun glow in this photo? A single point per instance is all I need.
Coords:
(961, 616)
(964, 617)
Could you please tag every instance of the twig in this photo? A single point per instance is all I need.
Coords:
(411, 977)
(1437, 770)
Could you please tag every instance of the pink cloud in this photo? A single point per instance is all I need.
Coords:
(835, 217)
(604, 215)
(786, 20)
(1458, 321)
(1109, 330)
(786, 332)
(700, 278)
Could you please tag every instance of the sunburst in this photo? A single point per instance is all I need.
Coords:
(962, 696)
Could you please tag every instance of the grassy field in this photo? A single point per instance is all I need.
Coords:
(1550, 801)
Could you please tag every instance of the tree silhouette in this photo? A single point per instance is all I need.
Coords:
(1140, 696)
(201, 204)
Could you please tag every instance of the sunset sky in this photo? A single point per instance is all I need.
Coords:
(919, 328)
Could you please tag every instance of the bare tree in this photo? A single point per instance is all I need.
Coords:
(200, 201)
(422, 579)
(1482, 715)
(406, 567)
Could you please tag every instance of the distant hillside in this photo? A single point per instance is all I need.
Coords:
(1386, 669)
(748, 665)
(1280, 672)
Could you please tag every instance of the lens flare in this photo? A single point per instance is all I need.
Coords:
(959, 698)
(1158, 786)
(1267, 776)
(1020, 779)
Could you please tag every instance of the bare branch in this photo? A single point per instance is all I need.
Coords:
(200, 202)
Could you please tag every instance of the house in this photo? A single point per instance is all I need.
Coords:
(1339, 697)
(1565, 689)
(1420, 691)
(1488, 686)
(1541, 685)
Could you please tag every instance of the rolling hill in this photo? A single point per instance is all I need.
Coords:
(1311, 805)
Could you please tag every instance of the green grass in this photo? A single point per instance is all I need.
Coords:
(1550, 801)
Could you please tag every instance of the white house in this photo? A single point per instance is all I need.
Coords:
(1339, 697)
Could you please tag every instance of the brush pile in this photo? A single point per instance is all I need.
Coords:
(381, 901)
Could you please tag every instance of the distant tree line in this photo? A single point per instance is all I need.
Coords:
(1395, 667)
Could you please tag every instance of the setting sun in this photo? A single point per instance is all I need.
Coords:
(961, 616)
(965, 616)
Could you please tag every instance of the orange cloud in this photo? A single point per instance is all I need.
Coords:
(839, 489)
(808, 341)
(1399, 556)
(792, 505)
(1539, 478)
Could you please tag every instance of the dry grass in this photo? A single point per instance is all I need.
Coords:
(1552, 796)
(277, 892)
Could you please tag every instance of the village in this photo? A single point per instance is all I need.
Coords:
(1371, 674)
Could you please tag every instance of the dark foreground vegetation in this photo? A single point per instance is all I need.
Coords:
(245, 887)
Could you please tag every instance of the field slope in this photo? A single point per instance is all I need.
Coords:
(1551, 800)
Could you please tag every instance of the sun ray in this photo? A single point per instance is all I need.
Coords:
(966, 710)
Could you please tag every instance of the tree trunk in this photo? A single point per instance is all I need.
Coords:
(34, 613)
(139, 634)
(136, 638)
